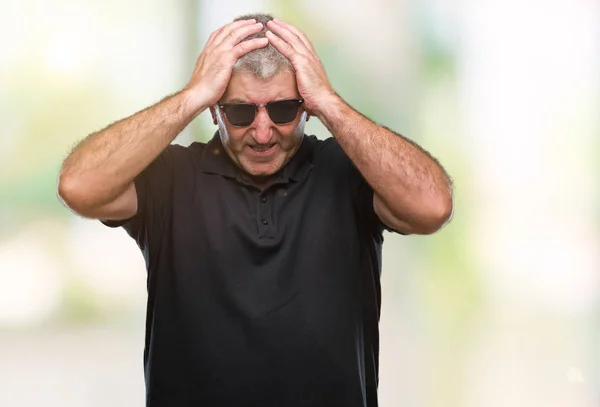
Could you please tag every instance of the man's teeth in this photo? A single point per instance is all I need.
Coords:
(261, 148)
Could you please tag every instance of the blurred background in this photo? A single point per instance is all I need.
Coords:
(499, 309)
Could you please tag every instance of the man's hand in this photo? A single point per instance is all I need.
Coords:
(215, 64)
(313, 85)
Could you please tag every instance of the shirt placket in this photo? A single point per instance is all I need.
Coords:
(264, 214)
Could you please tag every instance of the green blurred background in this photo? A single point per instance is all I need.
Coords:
(499, 309)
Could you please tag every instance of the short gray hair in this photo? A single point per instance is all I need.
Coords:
(263, 62)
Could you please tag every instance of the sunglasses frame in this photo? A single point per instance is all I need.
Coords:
(222, 106)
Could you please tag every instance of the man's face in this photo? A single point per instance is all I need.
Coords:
(263, 147)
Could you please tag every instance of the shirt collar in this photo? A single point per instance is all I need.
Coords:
(215, 160)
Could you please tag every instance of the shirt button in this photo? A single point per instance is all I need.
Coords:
(265, 222)
(263, 199)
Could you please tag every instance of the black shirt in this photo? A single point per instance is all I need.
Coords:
(259, 298)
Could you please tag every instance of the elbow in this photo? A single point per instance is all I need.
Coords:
(421, 217)
(67, 190)
(73, 194)
(438, 214)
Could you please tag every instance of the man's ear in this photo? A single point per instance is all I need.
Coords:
(213, 114)
(308, 114)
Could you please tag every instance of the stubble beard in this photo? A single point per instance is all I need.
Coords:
(298, 133)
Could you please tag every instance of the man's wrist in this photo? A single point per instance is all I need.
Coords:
(331, 108)
(192, 102)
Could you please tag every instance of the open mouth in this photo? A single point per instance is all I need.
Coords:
(262, 148)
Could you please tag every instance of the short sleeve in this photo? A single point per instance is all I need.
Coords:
(154, 188)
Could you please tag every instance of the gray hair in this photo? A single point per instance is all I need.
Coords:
(263, 62)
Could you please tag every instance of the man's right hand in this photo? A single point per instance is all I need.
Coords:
(215, 64)
(97, 178)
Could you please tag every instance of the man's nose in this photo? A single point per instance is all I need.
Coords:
(263, 126)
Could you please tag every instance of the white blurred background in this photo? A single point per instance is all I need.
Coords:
(499, 309)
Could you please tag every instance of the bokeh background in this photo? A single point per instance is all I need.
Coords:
(499, 309)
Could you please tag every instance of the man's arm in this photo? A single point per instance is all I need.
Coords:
(96, 179)
(412, 191)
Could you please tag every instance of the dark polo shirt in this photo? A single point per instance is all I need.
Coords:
(259, 298)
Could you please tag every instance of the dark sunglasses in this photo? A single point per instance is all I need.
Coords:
(243, 114)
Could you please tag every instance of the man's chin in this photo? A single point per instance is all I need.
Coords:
(259, 178)
(261, 174)
(262, 170)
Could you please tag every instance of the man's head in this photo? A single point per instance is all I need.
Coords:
(263, 62)
(264, 75)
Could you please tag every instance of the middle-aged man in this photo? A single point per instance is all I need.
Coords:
(262, 246)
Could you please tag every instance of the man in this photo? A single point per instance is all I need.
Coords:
(263, 246)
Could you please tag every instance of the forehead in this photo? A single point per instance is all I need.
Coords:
(245, 87)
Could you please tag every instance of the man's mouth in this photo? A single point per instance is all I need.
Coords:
(262, 148)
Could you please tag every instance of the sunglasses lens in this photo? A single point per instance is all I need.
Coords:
(240, 114)
(283, 111)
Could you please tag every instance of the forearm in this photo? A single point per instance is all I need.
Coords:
(411, 183)
(104, 164)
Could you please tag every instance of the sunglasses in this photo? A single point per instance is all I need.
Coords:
(243, 114)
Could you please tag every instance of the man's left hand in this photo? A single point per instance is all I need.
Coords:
(313, 85)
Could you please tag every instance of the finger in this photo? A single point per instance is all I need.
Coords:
(211, 38)
(282, 46)
(290, 38)
(297, 32)
(241, 33)
(246, 46)
(225, 30)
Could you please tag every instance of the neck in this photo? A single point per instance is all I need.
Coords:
(261, 183)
